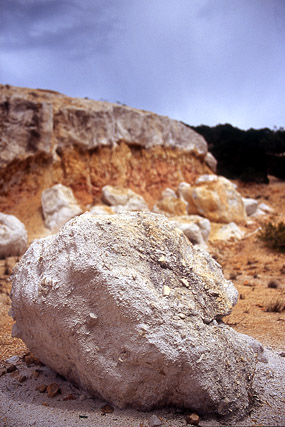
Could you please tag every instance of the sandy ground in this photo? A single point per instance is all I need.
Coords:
(250, 265)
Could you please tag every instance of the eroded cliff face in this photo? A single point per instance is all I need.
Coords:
(48, 138)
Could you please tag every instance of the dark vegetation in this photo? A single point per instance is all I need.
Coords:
(249, 155)
(273, 236)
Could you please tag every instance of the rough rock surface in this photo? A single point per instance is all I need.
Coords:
(58, 205)
(216, 198)
(123, 199)
(90, 302)
(13, 236)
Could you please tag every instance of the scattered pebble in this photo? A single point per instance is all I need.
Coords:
(69, 397)
(107, 409)
(280, 354)
(192, 419)
(22, 378)
(41, 388)
(53, 389)
(154, 421)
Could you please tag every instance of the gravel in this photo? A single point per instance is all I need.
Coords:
(22, 405)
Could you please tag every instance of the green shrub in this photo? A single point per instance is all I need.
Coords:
(273, 236)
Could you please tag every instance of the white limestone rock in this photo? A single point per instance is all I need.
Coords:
(250, 205)
(58, 205)
(195, 227)
(123, 199)
(227, 232)
(13, 236)
(90, 302)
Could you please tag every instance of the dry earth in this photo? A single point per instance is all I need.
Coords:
(258, 274)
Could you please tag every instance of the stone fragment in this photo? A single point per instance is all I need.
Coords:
(170, 206)
(13, 236)
(192, 419)
(195, 227)
(107, 409)
(123, 199)
(22, 378)
(52, 390)
(216, 198)
(250, 205)
(265, 208)
(42, 388)
(11, 368)
(140, 353)
(69, 397)
(58, 205)
(166, 290)
(154, 421)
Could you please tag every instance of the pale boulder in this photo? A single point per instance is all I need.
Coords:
(13, 236)
(216, 198)
(226, 232)
(170, 205)
(195, 227)
(123, 199)
(91, 303)
(185, 193)
(58, 205)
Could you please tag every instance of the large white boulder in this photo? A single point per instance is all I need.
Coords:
(127, 308)
(58, 205)
(13, 236)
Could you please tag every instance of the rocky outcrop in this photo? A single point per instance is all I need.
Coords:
(58, 205)
(13, 236)
(135, 312)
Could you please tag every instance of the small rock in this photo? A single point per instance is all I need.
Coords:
(107, 409)
(69, 397)
(53, 389)
(11, 368)
(154, 421)
(166, 291)
(192, 419)
(45, 404)
(13, 359)
(41, 388)
(22, 378)
(282, 354)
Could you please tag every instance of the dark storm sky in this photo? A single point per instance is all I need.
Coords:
(199, 61)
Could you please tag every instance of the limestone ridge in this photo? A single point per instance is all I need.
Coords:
(67, 131)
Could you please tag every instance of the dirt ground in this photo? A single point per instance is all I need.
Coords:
(257, 272)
